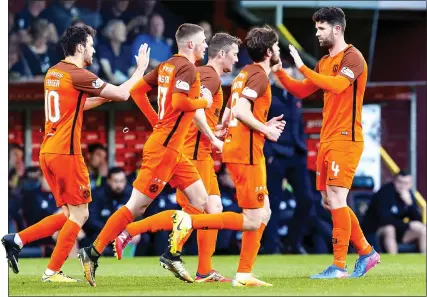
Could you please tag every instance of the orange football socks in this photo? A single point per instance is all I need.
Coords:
(357, 237)
(226, 220)
(251, 242)
(341, 221)
(114, 226)
(65, 242)
(45, 228)
(161, 221)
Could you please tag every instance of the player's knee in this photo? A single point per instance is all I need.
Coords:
(266, 215)
(252, 221)
(200, 202)
(214, 206)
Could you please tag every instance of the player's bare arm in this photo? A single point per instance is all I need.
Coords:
(242, 112)
(202, 124)
(335, 84)
(122, 92)
(93, 102)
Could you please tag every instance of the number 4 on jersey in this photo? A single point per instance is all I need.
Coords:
(335, 168)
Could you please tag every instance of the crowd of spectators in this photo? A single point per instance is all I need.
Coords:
(34, 31)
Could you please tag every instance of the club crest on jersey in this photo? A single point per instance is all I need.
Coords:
(347, 72)
(97, 83)
(249, 92)
(182, 85)
(335, 68)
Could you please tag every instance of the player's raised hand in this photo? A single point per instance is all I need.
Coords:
(205, 93)
(297, 59)
(143, 57)
(273, 133)
(278, 122)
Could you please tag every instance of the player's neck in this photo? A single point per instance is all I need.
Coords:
(188, 55)
(75, 60)
(266, 66)
(216, 65)
(338, 47)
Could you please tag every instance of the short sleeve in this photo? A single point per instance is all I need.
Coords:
(88, 82)
(352, 65)
(151, 77)
(184, 78)
(255, 86)
(208, 80)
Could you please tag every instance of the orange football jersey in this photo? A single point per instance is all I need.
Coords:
(197, 146)
(243, 145)
(175, 75)
(342, 113)
(66, 88)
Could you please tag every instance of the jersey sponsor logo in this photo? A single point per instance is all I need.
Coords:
(97, 83)
(348, 72)
(182, 85)
(249, 92)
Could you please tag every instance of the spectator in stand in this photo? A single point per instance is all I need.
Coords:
(146, 9)
(62, 12)
(116, 10)
(394, 215)
(18, 69)
(115, 57)
(39, 54)
(208, 34)
(16, 159)
(38, 200)
(106, 199)
(16, 222)
(138, 24)
(97, 165)
(160, 49)
(25, 18)
(11, 22)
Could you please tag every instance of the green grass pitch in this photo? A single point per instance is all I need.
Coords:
(403, 275)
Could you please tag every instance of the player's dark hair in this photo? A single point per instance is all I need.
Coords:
(73, 36)
(402, 173)
(259, 40)
(187, 30)
(331, 15)
(95, 146)
(221, 41)
(114, 170)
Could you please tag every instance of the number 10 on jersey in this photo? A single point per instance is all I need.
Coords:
(51, 106)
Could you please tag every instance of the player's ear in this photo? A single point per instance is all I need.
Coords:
(190, 44)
